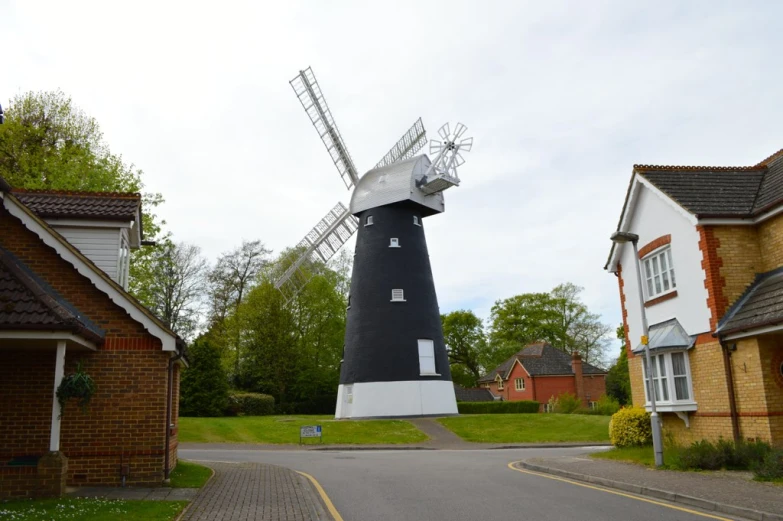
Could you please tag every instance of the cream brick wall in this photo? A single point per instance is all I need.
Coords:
(770, 235)
(740, 258)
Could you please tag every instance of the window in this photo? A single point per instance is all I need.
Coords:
(593, 405)
(416, 220)
(659, 273)
(427, 357)
(671, 378)
(519, 384)
(368, 220)
(547, 407)
(349, 302)
(398, 295)
(394, 242)
(499, 380)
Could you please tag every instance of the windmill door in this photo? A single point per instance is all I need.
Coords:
(347, 401)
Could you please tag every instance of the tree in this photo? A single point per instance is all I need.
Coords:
(172, 285)
(47, 142)
(618, 380)
(204, 386)
(234, 273)
(463, 333)
(558, 317)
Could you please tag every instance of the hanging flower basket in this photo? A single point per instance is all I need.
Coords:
(78, 385)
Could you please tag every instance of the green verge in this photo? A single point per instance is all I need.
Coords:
(529, 428)
(189, 475)
(87, 509)
(639, 455)
(285, 429)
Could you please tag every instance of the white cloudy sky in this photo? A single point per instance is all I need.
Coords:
(562, 99)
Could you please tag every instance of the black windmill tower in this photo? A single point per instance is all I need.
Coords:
(395, 362)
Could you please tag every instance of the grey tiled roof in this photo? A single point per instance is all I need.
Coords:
(81, 205)
(473, 395)
(721, 191)
(540, 359)
(761, 305)
(29, 303)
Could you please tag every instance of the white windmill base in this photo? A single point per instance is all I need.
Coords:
(396, 399)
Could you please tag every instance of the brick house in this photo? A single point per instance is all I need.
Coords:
(711, 255)
(63, 301)
(539, 372)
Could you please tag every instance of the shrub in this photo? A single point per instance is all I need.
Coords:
(567, 403)
(743, 455)
(606, 406)
(630, 427)
(517, 407)
(771, 467)
(251, 404)
(204, 385)
(702, 455)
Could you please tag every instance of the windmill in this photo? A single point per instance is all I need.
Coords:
(395, 361)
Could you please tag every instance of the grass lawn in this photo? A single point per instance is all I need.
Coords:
(640, 455)
(71, 509)
(189, 475)
(529, 428)
(285, 429)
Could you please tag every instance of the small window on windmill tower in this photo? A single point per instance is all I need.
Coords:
(397, 295)
(368, 221)
(394, 242)
(416, 220)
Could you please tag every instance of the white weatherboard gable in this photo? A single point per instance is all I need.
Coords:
(653, 216)
(94, 274)
(100, 245)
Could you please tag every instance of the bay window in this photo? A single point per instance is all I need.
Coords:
(671, 381)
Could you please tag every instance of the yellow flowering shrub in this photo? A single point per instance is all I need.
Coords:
(630, 426)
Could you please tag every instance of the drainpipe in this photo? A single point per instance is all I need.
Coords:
(730, 385)
(172, 360)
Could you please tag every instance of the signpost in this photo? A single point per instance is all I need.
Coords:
(310, 431)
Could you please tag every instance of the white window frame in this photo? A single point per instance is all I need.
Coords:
(427, 365)
(368, 220)
(519, 384)
(499, 380)
(398, 295)
(658, 274)
(394, 242)
(664, 382)
(416, 220)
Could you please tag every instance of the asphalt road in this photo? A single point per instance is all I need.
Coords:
(460, 485)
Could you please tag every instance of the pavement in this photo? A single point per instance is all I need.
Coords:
(732, 493)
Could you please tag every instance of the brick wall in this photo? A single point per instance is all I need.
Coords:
(738, 249)
(770, 235)
(595, 386)
(124, 427)
(548, 386)
(714, 281)
(511, 393)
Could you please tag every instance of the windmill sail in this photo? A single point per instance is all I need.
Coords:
(309, 93)
(410, 143)
(320, 244)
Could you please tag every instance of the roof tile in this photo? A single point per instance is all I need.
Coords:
(80, 205)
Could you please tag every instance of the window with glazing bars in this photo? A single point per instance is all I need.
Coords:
(659, 273)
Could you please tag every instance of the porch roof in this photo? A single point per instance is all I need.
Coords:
(28, 303)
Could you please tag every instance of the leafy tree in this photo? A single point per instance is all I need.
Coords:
(466, 345)
(234, 274)
(618, 381)
(171, 285)
(558, 317)
(204, 385)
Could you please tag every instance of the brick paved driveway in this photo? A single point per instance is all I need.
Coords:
(256, 492)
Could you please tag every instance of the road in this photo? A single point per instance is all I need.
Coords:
(453, 485)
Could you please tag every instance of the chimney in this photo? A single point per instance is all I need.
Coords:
(576, 367)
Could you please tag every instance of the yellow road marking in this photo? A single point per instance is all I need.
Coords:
(602, 489)
(329, 505)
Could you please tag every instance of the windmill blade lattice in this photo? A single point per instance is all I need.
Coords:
(407, 146)
(448, 150)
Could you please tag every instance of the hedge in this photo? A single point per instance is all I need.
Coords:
(250, 404)
(520, 407)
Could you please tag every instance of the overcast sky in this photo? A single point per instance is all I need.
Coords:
(562, 99)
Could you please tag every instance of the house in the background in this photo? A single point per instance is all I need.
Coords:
(539, 372)
(64, 303)
(473, 394)
(711, 256)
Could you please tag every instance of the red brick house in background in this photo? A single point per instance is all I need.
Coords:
(63, 302)
(540, 371)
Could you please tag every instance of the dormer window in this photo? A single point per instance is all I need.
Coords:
(499, 380)
(398, 295)
(368, 220)
(416, 220)
(659, 273)
(394, 242)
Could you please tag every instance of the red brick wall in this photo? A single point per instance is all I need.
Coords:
(126, 421)
(714, 282)
(595, 386)
(548, 386)
(511, 393)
